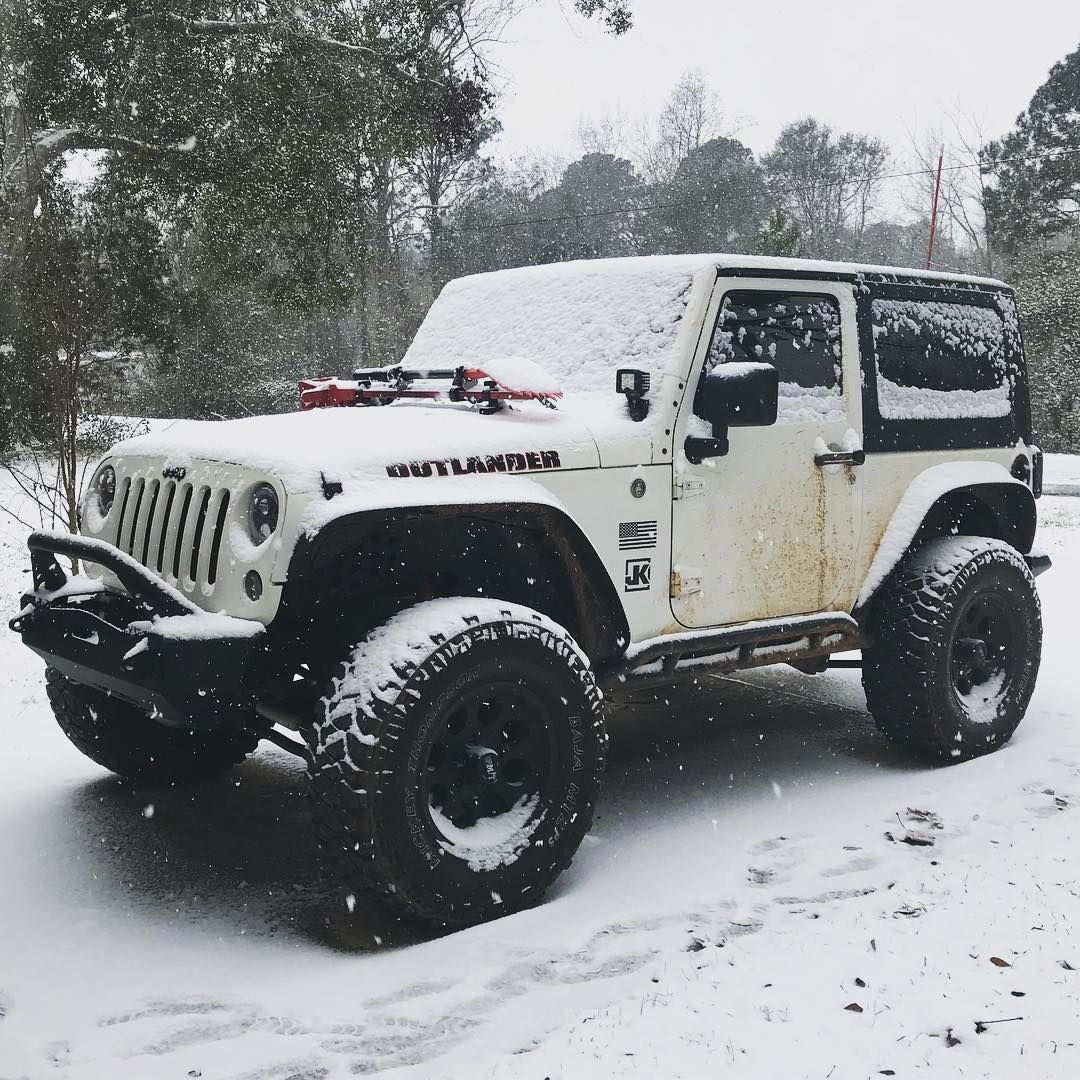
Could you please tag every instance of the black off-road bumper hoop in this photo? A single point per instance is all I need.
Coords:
(1038, 564)
(105, 639)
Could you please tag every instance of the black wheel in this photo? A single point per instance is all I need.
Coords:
(457, 758)
(956, 639)
(126, 741)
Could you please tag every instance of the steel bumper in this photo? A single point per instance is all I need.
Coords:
(186, 676)
(1038, 564)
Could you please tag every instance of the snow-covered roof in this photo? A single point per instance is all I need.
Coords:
(566, 276)
(581, 320)
(822, 266)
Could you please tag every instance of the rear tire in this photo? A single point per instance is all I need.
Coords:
(956, 640)
(125, 740)
(456, 760)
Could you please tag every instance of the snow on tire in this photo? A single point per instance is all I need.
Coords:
(956, 637)
(456, 760)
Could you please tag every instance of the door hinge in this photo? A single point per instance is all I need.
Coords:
(684, 584)
(686, 488)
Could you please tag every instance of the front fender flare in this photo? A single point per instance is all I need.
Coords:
(601, 617)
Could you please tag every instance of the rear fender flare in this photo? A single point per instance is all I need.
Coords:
(987, 488)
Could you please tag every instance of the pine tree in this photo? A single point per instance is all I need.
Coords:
(1037, 165)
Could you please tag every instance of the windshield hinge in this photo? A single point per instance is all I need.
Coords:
(686, 488)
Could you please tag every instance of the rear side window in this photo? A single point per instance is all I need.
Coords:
(799, 334)
(940, 361)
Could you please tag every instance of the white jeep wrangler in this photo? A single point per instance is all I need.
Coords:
(581, 476)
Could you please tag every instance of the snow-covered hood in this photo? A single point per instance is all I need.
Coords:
(403, 444)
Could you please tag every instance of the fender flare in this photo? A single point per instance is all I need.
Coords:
(595, 598)
(988, 484)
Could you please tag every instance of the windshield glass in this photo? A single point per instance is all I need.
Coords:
(578, 321)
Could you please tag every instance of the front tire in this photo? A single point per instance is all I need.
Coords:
(956, 641)
(456, 760)
(125, 740)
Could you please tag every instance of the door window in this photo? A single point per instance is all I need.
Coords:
(799, 334)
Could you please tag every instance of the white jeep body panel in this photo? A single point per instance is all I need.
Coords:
(759, 533)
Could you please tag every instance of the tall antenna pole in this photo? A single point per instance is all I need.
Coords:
(933, 213)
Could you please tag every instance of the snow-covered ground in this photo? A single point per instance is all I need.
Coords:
(1061, 475)
(746, 905)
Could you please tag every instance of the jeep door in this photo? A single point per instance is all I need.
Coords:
(770, 528)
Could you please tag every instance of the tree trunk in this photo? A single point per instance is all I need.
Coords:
(21, 186)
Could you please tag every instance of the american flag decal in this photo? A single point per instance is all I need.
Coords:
(636, 535)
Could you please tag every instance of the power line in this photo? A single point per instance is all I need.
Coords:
(746, 195)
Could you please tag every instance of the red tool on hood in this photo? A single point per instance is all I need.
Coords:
(380, 386)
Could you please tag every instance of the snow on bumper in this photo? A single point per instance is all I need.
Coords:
(148, 645)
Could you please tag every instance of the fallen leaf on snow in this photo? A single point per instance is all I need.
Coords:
(998, 962)
(853, 1007)
(910, 911)
(917, 839)
(932, 819)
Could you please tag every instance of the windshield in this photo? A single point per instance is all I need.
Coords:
(579, 321)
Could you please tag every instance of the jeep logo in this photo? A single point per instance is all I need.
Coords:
(174, 472)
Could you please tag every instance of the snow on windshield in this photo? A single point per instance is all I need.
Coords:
(579, 321)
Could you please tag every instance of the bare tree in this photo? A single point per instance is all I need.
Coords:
(962, 201)
(691, 116)
(829, 183)
(608, 134)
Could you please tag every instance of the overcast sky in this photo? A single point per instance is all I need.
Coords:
(881, 68)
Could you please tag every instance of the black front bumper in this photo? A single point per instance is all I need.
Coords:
(116, 641)
(1038, 564)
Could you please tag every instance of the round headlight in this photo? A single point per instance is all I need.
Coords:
(105, 485)
(263, 513)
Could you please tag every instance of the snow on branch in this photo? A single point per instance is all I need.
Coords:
(52, 143)
(241, 28)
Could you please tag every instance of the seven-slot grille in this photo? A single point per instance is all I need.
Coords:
(173, 528)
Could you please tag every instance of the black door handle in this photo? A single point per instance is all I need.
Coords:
(841, 457)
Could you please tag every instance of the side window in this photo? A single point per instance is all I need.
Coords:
(799, 334)
(939, 361)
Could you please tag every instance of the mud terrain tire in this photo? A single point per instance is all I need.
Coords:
(456, 760)
(123, 739)
(957, 637)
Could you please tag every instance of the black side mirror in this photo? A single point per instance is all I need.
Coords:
(733, 395)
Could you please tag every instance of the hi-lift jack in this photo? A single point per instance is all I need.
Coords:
(380, 386)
